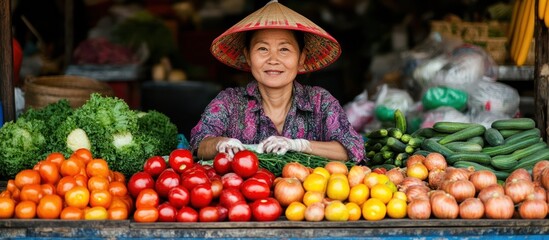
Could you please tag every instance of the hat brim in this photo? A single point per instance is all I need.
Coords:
(322, 49)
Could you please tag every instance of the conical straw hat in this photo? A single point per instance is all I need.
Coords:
(322, 48)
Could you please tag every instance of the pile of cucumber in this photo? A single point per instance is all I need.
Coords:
(508, 145)
(390, 147)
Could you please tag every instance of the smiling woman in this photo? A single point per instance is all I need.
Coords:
(279, 114)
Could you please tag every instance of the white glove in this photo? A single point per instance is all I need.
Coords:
(229, 146)
(280, 145)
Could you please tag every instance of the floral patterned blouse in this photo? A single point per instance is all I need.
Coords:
(314, 115)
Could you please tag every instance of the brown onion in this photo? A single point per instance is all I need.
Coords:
(414, 159)
(490, 191)
(336, 167)
(538, 169)
(395, 175)
(419, 209)
(518, 189)
(471, 208)
(409, 181)
(454, 174)
(315, 212)
(356, 174)
(434, 161)
(417, 191)
(520, 173)
(533, 209)
(538, 194)
(444, 206)
(499, 207)
(482, 179)
(460, 189)
(545, 179)
(288, 190)
(435, 178)
(295, 170)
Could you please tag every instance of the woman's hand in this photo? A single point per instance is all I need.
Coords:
(229, 146)
(280, 145)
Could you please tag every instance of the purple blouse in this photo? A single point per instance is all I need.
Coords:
(314, 115)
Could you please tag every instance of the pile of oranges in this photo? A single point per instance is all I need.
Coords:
(78, 187)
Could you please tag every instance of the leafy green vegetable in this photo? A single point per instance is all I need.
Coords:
(275, 163)
(159, 126)
(22, 145)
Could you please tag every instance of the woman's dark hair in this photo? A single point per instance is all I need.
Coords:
(299, 37)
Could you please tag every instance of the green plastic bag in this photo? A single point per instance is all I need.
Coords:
(444, 96)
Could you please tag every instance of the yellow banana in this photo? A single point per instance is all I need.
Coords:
(514, 17)
(541, 8)
(518, 26)
(528, 35)
(546, 18)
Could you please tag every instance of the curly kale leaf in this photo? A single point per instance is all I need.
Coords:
(159, 126)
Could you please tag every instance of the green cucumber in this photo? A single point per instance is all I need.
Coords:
(509, 161)
(477, 157)
(395, 144)
(424, 132)
(377, 159)
(514, 124)
(478, 140)
(500, 175)
(387, 154)
(422, 152)
(409, 149)
(433, 146)
(394, 132)
(493, 137)
(405, 138)
(400, 159)
(509, 148)
(371, 154)
(400, 120)
(452, 127)
(415, 142)
(508, 132)
(464, 146)
(532, 159)
(472, 131)
(379, 133)
(519, 136)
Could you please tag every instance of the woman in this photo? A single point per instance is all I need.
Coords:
(274, 111)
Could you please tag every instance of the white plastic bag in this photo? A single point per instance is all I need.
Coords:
(443, 114)
(494, 97)
(360, 111)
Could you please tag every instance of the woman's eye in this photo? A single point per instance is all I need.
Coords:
(284, 49)
(262, 49)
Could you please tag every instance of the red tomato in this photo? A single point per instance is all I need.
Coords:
(239, 212)
(210, 171)
(266, 172)
(179, 196)
(222, 163)
(245, 163)
(229, 197)
(147, 198)
(217, 187)
(146, 214)
(166, 181)
(138, 182)
(180, 159)
(187, 214)
(253, 189)
(201, 195)
(155, 165)
(267, 209)
(262, 177)
(208, 214)
(231, 180)
(166, 212)
(194, 178)
(223, 211)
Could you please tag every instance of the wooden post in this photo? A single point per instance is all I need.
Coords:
(541, 76)
(6, 62)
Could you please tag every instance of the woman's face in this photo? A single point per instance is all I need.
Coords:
(274, 57)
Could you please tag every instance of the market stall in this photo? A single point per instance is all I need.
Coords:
(146, 168)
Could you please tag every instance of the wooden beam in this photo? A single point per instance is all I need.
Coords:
(6, 62)
(541, 77)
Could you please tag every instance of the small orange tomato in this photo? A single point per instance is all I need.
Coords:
(65, 184)
(117, 213)
(7, 207)
(119, 177)
(49, 172)
(98, 183)
(119, 202)
(36, 166)
(72, 213)
(50, 207)
(26, 176)
(96, 213)
(31, 192)
(71, 167)
(56, 158)
(146, 214)
(118, 189)
(147, 198)
(5, 193)
(81, 180)
(97, 167)
(25, 210)
(77, 197)
(100, 198)
(48, 188)
(11, 185)
(84, 154)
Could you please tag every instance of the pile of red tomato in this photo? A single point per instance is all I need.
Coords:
(181, 190)
(79, 187)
